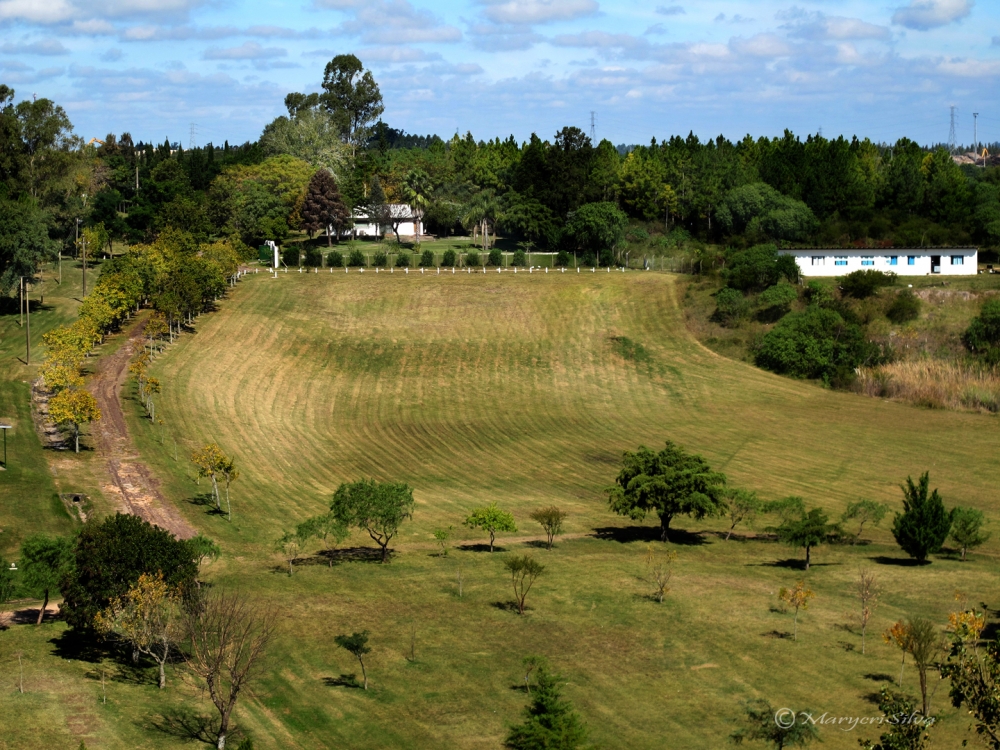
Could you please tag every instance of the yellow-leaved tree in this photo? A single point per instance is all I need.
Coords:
(73, 407)
(148, 617)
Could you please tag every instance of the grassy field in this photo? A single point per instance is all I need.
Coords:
(520, 389)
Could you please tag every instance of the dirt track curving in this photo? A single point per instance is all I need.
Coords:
(130, 480)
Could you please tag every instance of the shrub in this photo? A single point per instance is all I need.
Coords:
(290, 256)
(983, 333)
(519, 259)
(562, 258)
(866, 283)
(776, 300)
(730, 306)
(495, 258)
(472, 258)
(758, 268)
(448, 258)
(314, 257)
(380, 260)
(818, 293)
(905, 307)
(816, 343)
(335, 259)
(427, 259)
(589, 259)
(403, 260)
(356, 259)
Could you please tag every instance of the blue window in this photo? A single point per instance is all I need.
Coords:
(956, 260)
(840, 260)
(867, 260)
(911, 260)
(892, 260)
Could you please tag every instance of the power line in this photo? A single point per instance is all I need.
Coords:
(194, 133)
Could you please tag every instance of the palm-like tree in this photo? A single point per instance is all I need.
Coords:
(417, 189)
(482, 210)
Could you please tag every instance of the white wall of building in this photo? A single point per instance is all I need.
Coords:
(957, 261)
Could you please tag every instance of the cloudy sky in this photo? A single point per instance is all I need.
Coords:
(500, 67)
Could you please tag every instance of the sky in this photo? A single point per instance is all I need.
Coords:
(196, 71)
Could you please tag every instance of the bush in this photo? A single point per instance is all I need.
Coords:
(495, 258)
(730, 306)
(448, 258)
(818, 293)
(380, 259)
(335, 259)
(403, 260)
(472, 258)
(290, 256)
(427, 259)
(562, 259)
(519, 259)
(356, 259)
(314, 257)
(983, 333)
(589, 259)
(759, 267)
(817, 343)
(777, 300)
(905, 307)
(866, 283)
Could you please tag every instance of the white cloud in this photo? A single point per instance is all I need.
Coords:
(819, 26)
(761, 45)
(503, 37)
(41, 47)
(389, 54)
(52, 11)
(672, 10)
(246, 51)
(399, 21)
(600, 40)
(930, 14)
(526, 12)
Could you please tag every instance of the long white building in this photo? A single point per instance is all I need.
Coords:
(902, 261)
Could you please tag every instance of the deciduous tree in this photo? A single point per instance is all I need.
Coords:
(326, 527)
(524, 571)
(967, 529)
(862, 512)
(491, 518)
(926, 646)
(660, 570)
(900, 636)
(743, 505)
(798, 598)
(810, 530)
(907, 730)
(761, 725)
(73, 407)
(551, 519)
(44, 560)
(357, 644)
(377, 507)
(868, 592)
(974, 673)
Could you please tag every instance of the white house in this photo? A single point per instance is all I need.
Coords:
(902, 261)
(407, 222)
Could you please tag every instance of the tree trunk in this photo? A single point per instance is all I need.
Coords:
(923, 689)
(492, 535)
(329, 238)
(76, 435)
(215, 491)
(41, 612)
(385, 551)
(665, 527)
(963, 554)
(901, 665)
(163, 674)
(808, 548)
(795, 625)
(730, 532)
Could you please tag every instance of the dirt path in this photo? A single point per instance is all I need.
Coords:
(130, 480)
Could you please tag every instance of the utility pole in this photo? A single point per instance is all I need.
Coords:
(975, 134)
(593, 127)
(84, 244)
(20, 302)
(27, 328)
(951, 131)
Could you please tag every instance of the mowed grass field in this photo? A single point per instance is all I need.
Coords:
(519, 389)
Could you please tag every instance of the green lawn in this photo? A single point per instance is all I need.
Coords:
(512, 388)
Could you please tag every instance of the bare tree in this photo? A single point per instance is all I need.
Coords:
(868, 591)
(228, 635)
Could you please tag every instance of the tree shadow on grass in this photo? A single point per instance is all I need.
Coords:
(508, 606)
(185, 725)
(73, 645)
(777, 634)
(873, 698)
(30, 616)
(793, 563)
(344, 680)
(879, 677)
(481, 547)
(538, 544)
(903, 562)
(628, 534)
(207, 500)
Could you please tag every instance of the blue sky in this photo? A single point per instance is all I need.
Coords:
(500, 67)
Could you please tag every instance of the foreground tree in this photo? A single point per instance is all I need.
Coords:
(377, 507)
(926, 647)
(669, 483)
(551, 519)
(899, 635)
(810, 530)
(524, 571)
(228, 636)
(761, 725)
(923, 526)
(44, 561)
(967, 529)
(148, 618)
(797, 598)
(660, 570)
(111, 555)
(324, 208)
(974, 673)
(210, 461)
(357, 644)
(492, 519)
(862, 512)
(907, 729)
(549, 720)
(72, 408)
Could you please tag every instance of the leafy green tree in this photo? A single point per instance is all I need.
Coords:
(923, 526)
(44, 563)
(967, 528)
(550, 723)
(524, 571)
(742, 507)
(441, 536)
(24, 241)
(776, 300)
(551, 519)
(8, 583)
(670, 483)
(357, 644)
(491, 518)
(203, 549)
(74, 407)
(758, 268)
(730, 306)
(310, 134)
(762, 212)
(352, 97)
(983, 334)
(907, 729)
(448, 258)
(862, 512)
(597, 227)
(974, 674)
(376, 507)
(764, 724)
(810, 530)
(865, 283)
(904, 308)
(288, 545)
(327, 528)
(109, 557)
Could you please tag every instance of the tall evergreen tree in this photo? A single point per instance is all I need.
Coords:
(924, 524)
(323, 207)
(550, 723)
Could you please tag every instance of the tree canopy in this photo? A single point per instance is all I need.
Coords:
(376, 507)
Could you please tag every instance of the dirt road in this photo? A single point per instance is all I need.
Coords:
(130, 480)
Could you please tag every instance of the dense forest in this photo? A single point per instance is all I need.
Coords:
(783, 190)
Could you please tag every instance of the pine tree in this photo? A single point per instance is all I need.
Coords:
(924, 524)
(323, 207)
(550, 722)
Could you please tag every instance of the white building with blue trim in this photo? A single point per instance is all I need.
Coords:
(902, 261)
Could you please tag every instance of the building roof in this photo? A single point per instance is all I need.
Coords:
(874, 250)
